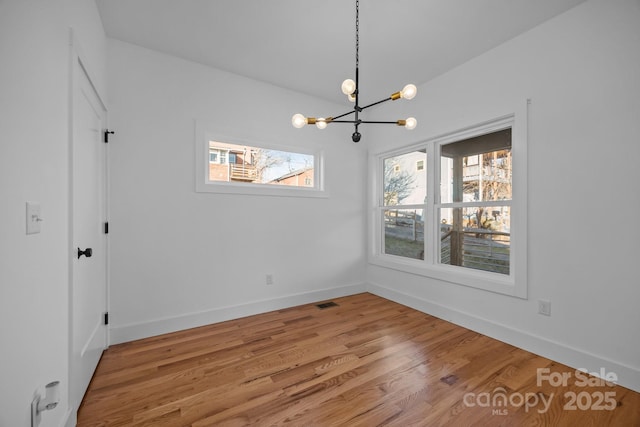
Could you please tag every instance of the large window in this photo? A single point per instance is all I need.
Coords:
(454, 207)
(234, 165)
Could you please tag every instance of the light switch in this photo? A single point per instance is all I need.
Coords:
(33, 217)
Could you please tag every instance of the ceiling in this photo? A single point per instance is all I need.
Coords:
(309, 46)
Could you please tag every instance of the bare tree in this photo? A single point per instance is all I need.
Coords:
(398, 184)
(263, 160)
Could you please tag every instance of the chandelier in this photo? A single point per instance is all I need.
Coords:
(350, 88)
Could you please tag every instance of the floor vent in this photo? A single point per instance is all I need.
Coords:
(326, 305)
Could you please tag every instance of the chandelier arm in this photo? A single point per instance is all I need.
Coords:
(379, 122)
(376, 103)
(342, 115)
(364, 121)
(333, 118)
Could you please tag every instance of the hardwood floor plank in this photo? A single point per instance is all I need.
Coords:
(365, 362)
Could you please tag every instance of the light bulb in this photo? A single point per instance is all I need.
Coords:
(411, 123)
(409, 91)
(348, 87)
(351, 97)
(298, 121)
(321, 123)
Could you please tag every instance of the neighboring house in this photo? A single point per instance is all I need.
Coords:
(298, 178)
(228, 162)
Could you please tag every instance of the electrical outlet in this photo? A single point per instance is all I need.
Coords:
(269, 279)
(544, 307)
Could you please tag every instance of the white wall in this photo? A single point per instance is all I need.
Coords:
(180, 258)
(34, 47)
(168, 268)
(581, 72)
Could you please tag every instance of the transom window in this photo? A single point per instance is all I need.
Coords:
(234, 165)
(248, 164)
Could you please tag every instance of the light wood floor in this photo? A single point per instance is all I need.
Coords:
(366, 362)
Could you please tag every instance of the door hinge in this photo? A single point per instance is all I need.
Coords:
(107, 132)
(106, 318)
(106, 228)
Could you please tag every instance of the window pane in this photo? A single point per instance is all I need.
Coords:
(477, 169)
(476, 237)
(404, 232)
(403, 182)
(256, 165)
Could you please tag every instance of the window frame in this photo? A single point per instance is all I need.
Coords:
(204, 134)
(514, 284)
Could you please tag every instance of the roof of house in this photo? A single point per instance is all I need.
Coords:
(290, 174)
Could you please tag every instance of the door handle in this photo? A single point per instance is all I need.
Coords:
(87, 252)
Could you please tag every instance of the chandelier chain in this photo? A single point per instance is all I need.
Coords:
(357, 32)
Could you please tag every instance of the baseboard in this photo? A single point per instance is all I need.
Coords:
(576, 358)
(125, 333)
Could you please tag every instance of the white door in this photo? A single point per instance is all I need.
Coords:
(88, 266)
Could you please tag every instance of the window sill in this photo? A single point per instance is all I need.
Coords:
(260, 190)
(492, 282)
